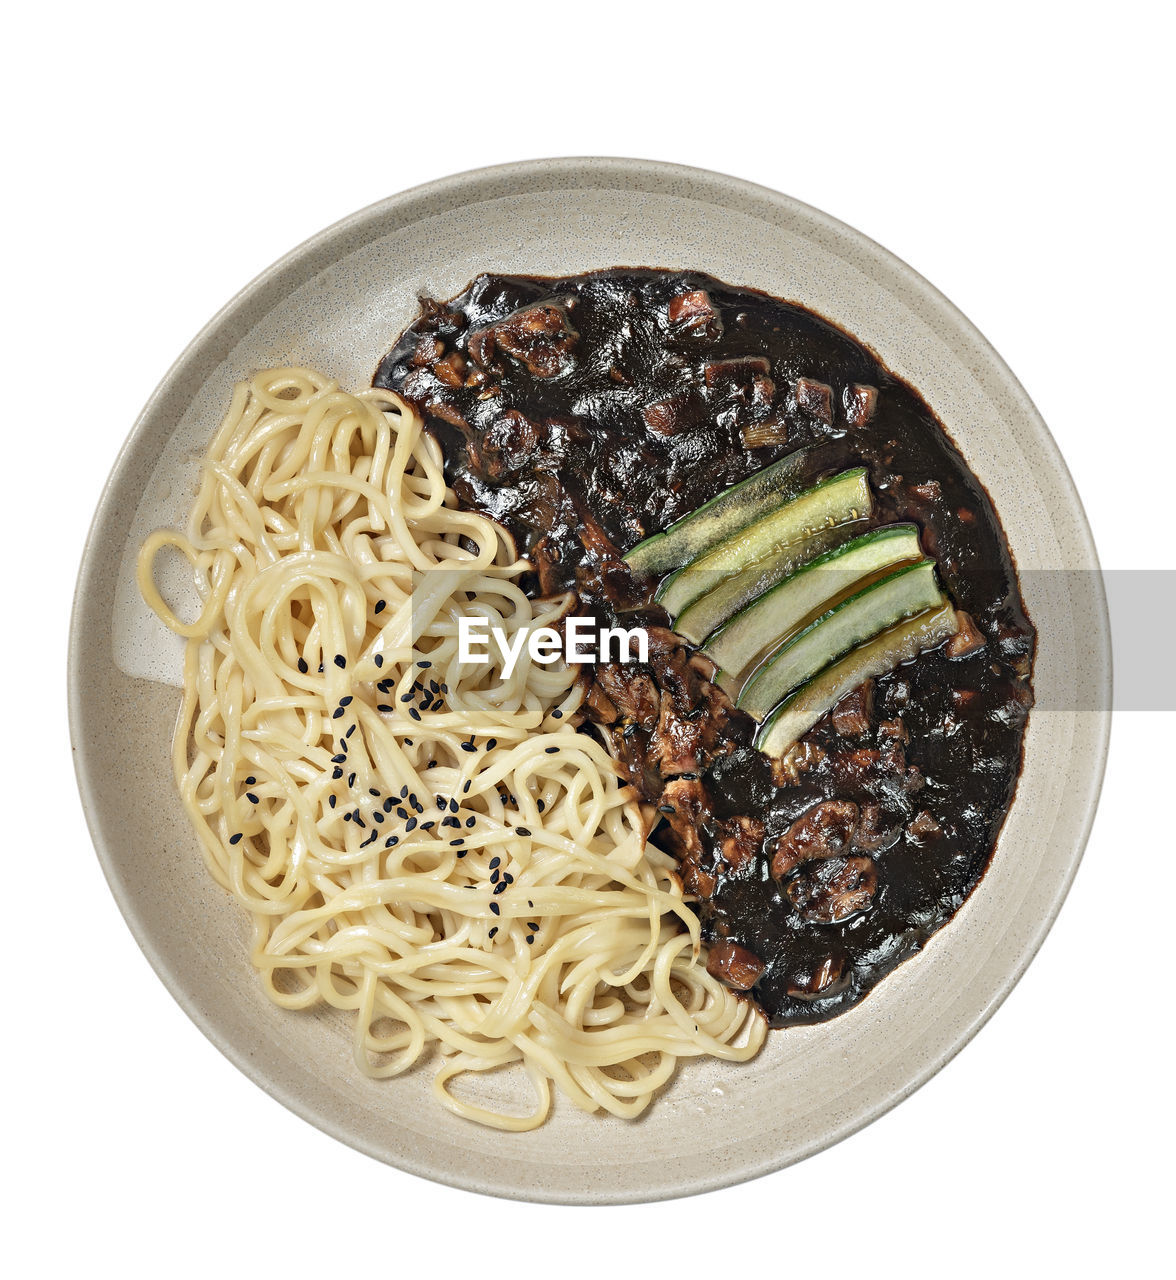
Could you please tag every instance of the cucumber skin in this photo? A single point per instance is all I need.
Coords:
(796, 715)
(870, 539)
(768, 676)
(676, 585)
(660, 552)
(766, 580)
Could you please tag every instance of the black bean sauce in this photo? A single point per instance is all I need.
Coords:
(585, 414)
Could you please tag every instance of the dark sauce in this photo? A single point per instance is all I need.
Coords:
(607, 412)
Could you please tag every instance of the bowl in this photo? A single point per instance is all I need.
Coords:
(336, 303)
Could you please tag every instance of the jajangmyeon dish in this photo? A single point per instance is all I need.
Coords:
(583, 863)
(427, 844)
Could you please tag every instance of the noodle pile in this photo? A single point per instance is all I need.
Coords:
(423, 843)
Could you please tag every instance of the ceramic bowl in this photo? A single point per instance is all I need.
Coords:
(336, 303)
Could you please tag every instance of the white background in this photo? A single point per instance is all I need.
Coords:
(159, 156)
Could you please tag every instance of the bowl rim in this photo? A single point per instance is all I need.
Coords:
(468, 188)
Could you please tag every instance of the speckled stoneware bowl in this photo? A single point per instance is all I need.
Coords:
(336, 303)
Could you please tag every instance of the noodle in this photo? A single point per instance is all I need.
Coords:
(422, 842)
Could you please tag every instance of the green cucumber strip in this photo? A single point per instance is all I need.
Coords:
(907, 591)
(726, 513)
(776, 614)
(797, 715)
(836, 501)
(729, 597)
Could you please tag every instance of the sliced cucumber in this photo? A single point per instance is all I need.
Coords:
(797, 715)
(723, 515)
(909, 590)
(815, 585)
(713, 608)
(833, 502)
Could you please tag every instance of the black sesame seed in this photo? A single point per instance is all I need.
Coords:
(236, 839)
(468, 782)
(348, 734)
(249, 781)
(410, 825)
(339, 759)
(453, 806)
(407, 697)
(381, 605)
(335, 715)
(468, 746)
(502, 886)
(431, 765)
(530, 903)
(540, 805)
(383, 706)
(359, 822)
(426, 826)
(523, 831)
(436, 688)
(302, 666)
(340, 660)
(451, 821)
(495, 862)
(377, 817)
(557, 714)
(470, 821)
(491, 744)
(347, 701)
(373, 791)
(320, 668)
(388, 804)
(331, 799)
(412, 711)
(507, 878)
(461, 853)
(402, 813)
(533, 925)
(551, 750)
(391, 841)
(530, 939)
(336, 773)
(378, 659)
(347, 817)
(251, 798)
(424, 664)
(408, 742)
(443, 687)
(351, 779)
(496, 908)
(493, 931)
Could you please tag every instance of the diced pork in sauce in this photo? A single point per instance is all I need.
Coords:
(589, 412)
